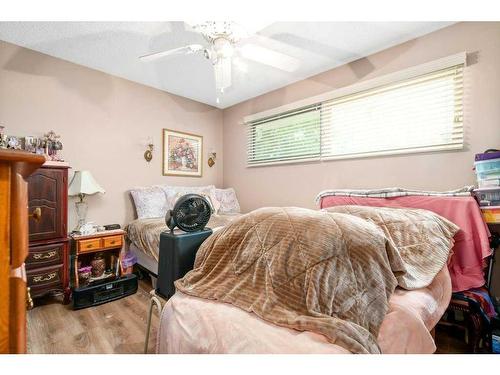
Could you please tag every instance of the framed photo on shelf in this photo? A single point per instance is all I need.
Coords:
(182, 154)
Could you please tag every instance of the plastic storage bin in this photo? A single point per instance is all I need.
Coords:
(489, 181)
(491, 214)
(128, 261)
(487, 155)
(488, 196)
(487, 167)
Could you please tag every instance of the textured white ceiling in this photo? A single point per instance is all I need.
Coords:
(114, 47)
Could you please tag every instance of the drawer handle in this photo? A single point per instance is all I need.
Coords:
(41, 278)
(36, 214)
(112, 242)
(47, 255)
(89, 245)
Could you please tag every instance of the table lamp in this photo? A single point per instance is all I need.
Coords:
(81, 185)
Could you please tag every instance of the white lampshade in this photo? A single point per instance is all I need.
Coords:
(84, 183)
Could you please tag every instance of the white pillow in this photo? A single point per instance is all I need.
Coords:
(172, 193)
(149, 202)
(228, 202)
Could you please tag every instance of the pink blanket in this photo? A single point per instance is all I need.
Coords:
(194, 325)
(471, 242)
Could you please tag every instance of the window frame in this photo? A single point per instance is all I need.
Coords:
(388, 79)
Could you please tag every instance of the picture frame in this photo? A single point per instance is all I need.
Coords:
(182, 154)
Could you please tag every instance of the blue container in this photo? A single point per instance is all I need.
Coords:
(495, 343)
(487, 167)
(495, 335)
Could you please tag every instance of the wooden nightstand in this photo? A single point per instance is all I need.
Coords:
(112, 284)
(84, 248)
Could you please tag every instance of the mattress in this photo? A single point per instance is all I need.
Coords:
(144, 234)
(193, 325)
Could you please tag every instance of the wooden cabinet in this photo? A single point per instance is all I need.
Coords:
(15, 167)
(47, 262)
(108, 243)
(48, 192)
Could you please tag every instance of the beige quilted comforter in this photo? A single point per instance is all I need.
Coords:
(330, 272)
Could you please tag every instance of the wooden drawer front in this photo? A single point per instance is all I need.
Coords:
(45, 278)
(43, 256)
(112, 241)
(89, 245)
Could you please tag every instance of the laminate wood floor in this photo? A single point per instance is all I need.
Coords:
(119, 327)
(114, 327)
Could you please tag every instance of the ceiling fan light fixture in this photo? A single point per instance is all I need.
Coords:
(211, 30)
(237, 29)
(223, 48)
(222, 69)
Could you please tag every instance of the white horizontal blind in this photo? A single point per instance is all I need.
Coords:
(290, 136)
(420, 113)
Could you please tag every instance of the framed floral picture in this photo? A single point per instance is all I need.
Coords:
(182, 154)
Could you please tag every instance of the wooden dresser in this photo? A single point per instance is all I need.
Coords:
(47, 262)
(15, 166)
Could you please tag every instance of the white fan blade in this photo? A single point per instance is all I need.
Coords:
(269, 57)
(192, 48)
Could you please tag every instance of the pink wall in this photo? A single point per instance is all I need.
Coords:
(298, 184)
(104, 122)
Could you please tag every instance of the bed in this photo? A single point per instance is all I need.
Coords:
(197, 325)
(151, 204)
(194, 325)
(144, 237)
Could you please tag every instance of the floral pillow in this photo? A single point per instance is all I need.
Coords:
(174, 192)
(228, 202)
(149, 202)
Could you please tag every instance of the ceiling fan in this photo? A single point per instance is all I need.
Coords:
(223, 38)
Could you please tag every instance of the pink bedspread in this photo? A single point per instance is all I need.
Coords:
(194, 325)
(471, 242)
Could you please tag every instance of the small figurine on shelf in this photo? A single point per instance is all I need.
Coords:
(52, 145)
(29, 144)
(3, 137)
(13, 143)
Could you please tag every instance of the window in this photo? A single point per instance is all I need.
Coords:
(420, 112)
(287, 137)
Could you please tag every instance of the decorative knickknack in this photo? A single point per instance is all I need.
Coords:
(52, 145)
(3, 137)
(98, 264)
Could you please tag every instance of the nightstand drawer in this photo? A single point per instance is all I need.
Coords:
(89, 245)
(113, 241)
(46, 255)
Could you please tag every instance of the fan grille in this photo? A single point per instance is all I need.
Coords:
(191, 213)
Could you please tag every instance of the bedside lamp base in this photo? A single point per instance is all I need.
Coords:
(81, 211)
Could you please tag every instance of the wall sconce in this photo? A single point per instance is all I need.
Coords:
(148, 154)
(211, 159)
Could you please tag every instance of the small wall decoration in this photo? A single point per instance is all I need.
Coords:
(182, 154)
(148, 154)
(211, 159)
